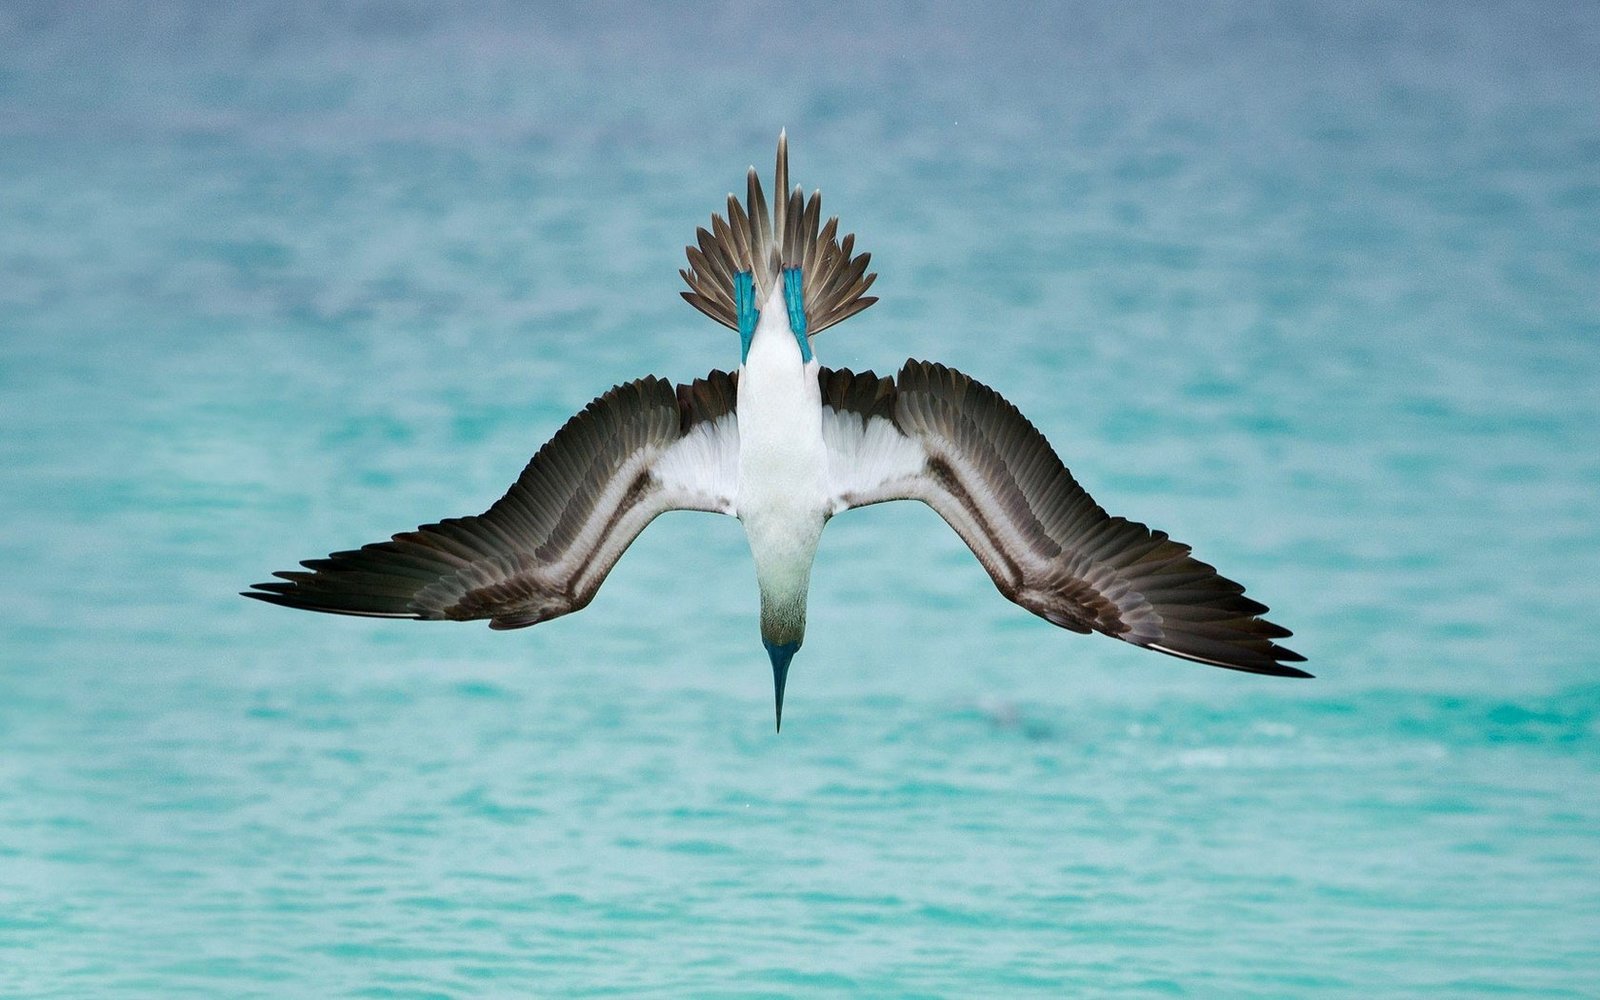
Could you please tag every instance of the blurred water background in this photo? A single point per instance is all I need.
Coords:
(1312, 287)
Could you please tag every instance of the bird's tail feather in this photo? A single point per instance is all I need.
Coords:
(764, 243)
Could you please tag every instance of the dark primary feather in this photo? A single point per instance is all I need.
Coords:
(1045, 542)
(544, 548)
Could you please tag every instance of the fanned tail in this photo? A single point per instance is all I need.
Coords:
(764, 243)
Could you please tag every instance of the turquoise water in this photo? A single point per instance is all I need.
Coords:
(1313, 291)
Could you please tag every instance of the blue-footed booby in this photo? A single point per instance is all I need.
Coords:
(784, 444)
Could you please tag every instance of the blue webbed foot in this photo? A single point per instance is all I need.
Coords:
(794, 297)
(744, 300)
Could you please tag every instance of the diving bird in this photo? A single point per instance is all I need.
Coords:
(784, 444)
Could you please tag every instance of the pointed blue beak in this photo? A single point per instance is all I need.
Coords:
(780, 654)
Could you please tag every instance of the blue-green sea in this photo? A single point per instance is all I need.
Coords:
(1313, 287)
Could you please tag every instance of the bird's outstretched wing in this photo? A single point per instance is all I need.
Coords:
(935, 435)
(545, 547)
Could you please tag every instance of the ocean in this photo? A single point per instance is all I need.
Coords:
(1311, 287)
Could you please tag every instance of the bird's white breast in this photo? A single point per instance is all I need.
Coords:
(782, 486)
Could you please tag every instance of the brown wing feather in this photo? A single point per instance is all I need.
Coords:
(545, 547)
(1048, 546)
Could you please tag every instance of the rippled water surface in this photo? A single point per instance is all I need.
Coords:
(1312, 291)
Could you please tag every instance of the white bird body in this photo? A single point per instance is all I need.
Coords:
(784, 445)
(782, 495)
